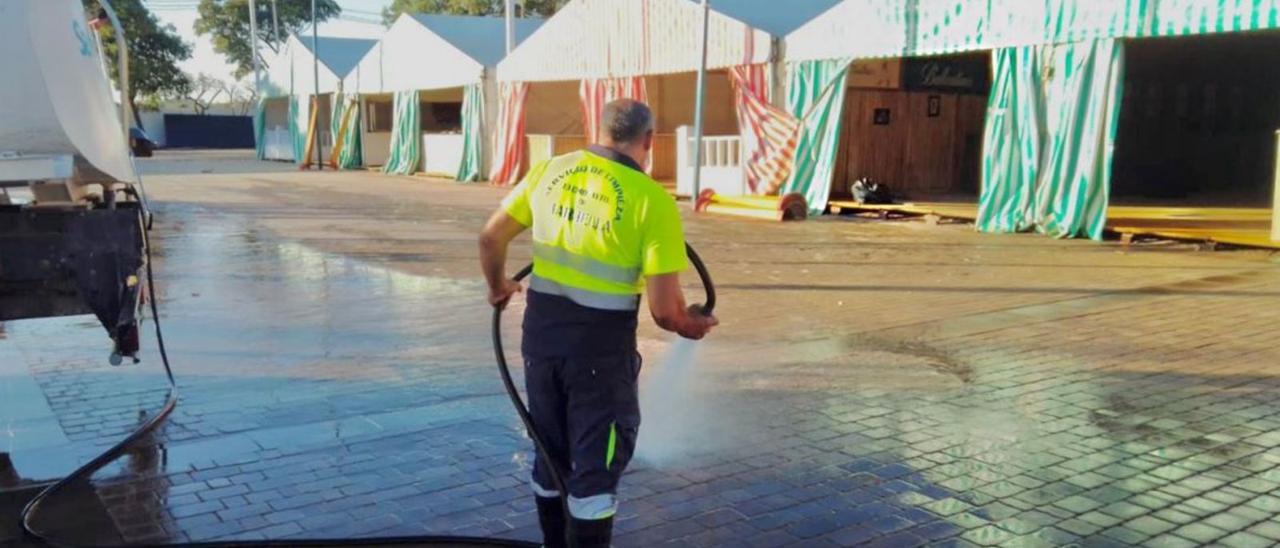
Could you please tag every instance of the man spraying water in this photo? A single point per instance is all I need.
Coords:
(603, 233)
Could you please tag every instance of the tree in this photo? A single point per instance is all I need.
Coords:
(530, 8)
(241, 97)
(204, 92)
(154, 52)
(227, 21)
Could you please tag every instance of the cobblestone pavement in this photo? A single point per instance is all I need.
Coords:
(873, 383)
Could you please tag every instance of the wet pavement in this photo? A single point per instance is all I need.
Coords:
(888, 384)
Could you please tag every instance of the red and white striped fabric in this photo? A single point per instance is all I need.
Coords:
(769, 134)
(508, 140)
(596, 94)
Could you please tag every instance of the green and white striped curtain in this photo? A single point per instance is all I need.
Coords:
(1050, 139)
(1084, 96)
(904, 28)
(815, 95)
(299, 122)
(337, 107)
(406, 135)
(1012, 152)
(352, 155)
(260, 129)
(472, 134)
(1021, 22)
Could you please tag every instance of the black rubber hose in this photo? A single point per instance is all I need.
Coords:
(85, 471)
(557, 475)
(522, 410)
(708, 286)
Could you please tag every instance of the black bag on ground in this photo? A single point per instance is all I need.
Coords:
(866, 191)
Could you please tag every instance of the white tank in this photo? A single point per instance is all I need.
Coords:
(54, 96)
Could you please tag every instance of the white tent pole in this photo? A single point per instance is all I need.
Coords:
(253, 33)
(315, 99)
(698, 103)
(509, 12)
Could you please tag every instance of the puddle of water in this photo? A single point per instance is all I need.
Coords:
(258, 327)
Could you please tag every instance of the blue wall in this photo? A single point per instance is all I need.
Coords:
(208, 131)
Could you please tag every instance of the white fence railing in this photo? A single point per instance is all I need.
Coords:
(721, 164)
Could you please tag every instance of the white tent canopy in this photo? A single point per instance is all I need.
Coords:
(427, 52)
(292, 72)
(894, 28)
(54, 96)
(623, 38)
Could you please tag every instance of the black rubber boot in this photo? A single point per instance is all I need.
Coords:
(551, 518)
(594, 533)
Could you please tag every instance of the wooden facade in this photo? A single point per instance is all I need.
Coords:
(921, 143)
(664, 151)
(558, 122)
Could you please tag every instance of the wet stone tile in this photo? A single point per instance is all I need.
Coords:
(988, 535)
(1245, 540)
(1101, 425)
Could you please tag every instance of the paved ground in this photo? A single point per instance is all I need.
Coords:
(891, 384)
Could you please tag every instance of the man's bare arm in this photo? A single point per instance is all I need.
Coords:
(667, 304)
(494, 241)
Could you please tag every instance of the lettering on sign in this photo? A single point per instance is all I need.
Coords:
(967, 74)
(937, 75)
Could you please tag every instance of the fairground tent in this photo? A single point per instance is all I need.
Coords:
(428, 93)
(1054, 105)
(650, 51)
(285, 123)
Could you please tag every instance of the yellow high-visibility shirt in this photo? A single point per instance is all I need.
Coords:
(600, 225)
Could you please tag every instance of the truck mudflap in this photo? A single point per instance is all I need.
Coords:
(66, 262)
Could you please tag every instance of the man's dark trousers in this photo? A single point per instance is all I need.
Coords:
(587, 410)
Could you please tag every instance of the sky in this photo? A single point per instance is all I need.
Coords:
(356, 23)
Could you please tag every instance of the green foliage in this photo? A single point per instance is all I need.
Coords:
(227, 22)
(154, 50)
(539, 8)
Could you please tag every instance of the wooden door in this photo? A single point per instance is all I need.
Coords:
(930, 145)
(872, 147)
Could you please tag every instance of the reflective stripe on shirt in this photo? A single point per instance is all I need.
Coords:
(585, 297)
(586, 265)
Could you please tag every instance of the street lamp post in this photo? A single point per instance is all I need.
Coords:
(253, 33)
(275, 23)
(698, 104)
(315, 99)
(510, 25)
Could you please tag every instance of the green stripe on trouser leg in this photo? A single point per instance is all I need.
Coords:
(613, 445)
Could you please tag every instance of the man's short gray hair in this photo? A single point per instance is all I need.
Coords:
(626, 121)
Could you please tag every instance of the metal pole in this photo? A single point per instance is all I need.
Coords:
(253, 32)
(315, 99)
(700, 98)
(275, 23)
(511, 24)
(122, 68)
